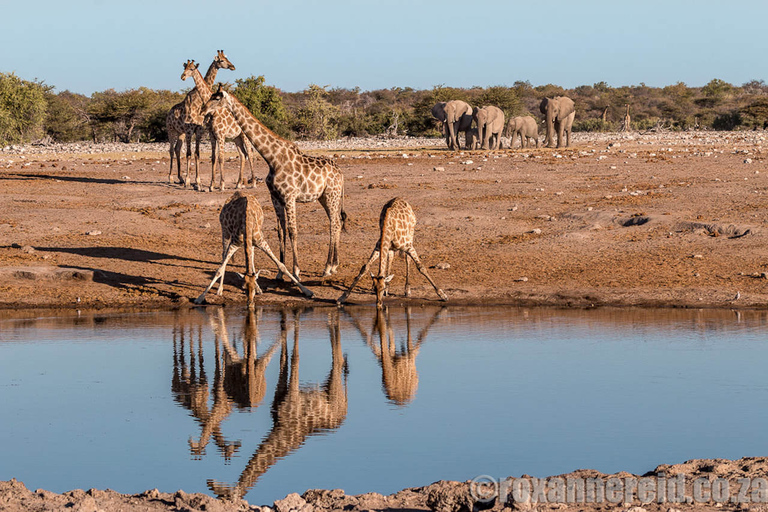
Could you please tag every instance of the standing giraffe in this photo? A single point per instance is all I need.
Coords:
(184, 120)
(396, 223)
(241, 218)
(222, 126)
(293, 177)
(627, 122)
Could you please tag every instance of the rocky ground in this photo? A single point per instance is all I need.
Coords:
(704, 485)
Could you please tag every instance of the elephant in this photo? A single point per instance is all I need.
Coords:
(473, 141)
(490, 124)
(559, 112)
(456, 116)
(526, 127)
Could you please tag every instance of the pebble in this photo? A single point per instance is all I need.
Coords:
(93, 233)
(443, 265)
(522, 280)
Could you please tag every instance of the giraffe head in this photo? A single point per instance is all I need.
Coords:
(217, 100)
(189, 68)
(222, 62)
(380, 286)
(251, 287)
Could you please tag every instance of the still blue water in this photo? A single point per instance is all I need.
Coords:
(213, 400)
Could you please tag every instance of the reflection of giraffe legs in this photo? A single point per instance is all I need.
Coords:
(398, 367)
(296, 412)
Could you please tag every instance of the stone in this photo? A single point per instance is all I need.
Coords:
(443, 265)
(292, 503)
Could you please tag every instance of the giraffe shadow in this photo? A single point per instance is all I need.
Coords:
(119, 253)
(129, 282)
(78, 179)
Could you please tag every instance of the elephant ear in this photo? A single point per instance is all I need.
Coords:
(543, 106)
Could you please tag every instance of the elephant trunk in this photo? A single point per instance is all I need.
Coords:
(550, 138)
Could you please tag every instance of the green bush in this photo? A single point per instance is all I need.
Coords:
(22, 109)
(265, 103)
(592, 125)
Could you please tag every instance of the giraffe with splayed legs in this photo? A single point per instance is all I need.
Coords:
(241, 219)
(397, 224)
(184, 122)
(293, 178)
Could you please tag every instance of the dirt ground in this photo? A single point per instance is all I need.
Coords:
(670, 219)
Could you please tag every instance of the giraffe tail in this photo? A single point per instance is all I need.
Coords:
(343, 213)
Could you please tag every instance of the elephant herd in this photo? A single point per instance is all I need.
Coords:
(457, 116)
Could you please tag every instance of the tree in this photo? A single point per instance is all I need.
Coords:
(317, 116)
(22, 109)
(264, 102)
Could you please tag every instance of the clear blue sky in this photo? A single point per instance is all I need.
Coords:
(92, 45)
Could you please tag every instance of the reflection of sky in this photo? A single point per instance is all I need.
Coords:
(501, 392)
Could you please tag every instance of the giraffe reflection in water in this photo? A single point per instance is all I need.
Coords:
(399, 377)
(297, 411)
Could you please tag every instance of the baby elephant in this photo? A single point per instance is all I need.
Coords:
(397, 223)
(526, 127)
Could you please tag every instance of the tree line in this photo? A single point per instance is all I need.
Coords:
(32, 110)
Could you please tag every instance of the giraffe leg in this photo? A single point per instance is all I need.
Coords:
(265, 247)
(198, 136)
(281, 230)
(375, 254)
(252, 270)
(388, 269)
(407, 276)
(290, 219)
(220, 159)
(214, 157)
(240, 145)
(229, 252)
(332, 207)
(412, 253)
(188, 142)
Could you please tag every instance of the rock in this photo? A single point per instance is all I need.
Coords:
(292, 503)
(747, 160)
(93, 233)
(438, 169)
(535, 231)
(697, 257)
(444, 496)
(443, 265)
(522, 279)
(28, 249)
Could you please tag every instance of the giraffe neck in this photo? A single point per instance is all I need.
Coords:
(210, 75)
(272, 147)
(202, 87)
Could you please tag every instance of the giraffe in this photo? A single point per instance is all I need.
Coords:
(184, 120)
(399, 377)
(626, 123)
(190, 387)
(237, 379)
(222, 126)
(397, 223)
(293, 177)
(241, 219)
(297, 411)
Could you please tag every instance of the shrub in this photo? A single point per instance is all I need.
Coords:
(592, 125)
(22, 109)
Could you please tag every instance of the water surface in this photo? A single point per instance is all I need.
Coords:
(219, 401)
